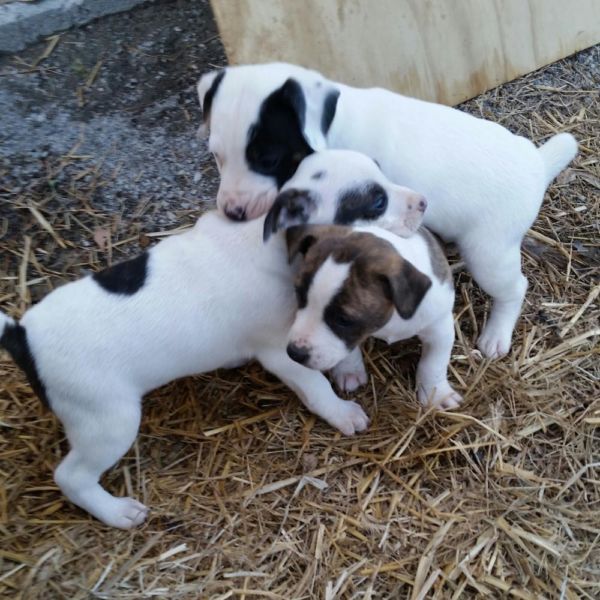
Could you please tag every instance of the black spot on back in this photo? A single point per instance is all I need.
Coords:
(329, 107)
(318, 175)
(14, 340)
(365, 203)
(124, 278)
(276, 144)
(210, 95)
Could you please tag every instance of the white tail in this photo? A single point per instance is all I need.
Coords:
(557, 153)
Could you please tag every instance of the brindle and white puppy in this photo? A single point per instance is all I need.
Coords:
(364, 281)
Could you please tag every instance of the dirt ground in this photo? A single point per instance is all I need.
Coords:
(250, 495)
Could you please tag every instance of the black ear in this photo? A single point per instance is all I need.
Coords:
(207, 88)
(291, 94)
(291, 207)
(299, 240)
(407, 288)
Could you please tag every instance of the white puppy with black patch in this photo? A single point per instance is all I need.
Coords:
(356, 282)
(484, 185)
(211, 297)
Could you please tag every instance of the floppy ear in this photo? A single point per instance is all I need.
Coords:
(407, 287)
(299, 240)
(291, 207)
(207, 88)
(314, 100)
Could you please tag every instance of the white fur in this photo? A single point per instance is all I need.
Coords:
(484, 185)
(213, 296)
(432, 323)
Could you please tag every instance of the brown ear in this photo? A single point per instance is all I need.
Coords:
(407, 287)
(300, 238)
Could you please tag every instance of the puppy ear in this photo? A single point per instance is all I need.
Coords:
(314, 100)
(407, 287)
(291, 207)
(207, 88)
(299, 239)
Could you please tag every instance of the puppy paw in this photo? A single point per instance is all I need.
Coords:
(494, 342)
(349, 380)
(442, 396)
(124, 513)
(349, 418)
(350, 373)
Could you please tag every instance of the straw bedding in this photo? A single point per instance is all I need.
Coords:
(251, 496)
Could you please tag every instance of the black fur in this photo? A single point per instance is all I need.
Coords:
(210, 95)
(361, 204)
(125, 278)
(276, 144)
(292, 207)
(329, 107)
(14, 340)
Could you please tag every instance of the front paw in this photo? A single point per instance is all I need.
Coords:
(441, 396)
(348, 378)
(349, 418)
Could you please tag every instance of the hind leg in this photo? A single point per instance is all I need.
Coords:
(98, 439)
(498, 271)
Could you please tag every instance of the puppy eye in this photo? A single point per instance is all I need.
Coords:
(379, 202)
(342, 320)
(269, 162)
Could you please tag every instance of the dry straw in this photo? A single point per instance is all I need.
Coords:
(253, 498)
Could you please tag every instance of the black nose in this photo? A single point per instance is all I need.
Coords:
(236, 214)
(300, 355)
(422, 204)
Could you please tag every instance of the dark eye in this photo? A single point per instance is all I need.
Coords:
(342, 320)
(379, 202)
(268, 162)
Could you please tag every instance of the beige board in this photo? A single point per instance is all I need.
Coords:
(441, 50)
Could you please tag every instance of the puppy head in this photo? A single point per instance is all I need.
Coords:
(262, 120)
(344, 187)
(348, 286)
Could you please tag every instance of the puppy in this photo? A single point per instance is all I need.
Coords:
(364, 281)
(211, 297)
(483, 184)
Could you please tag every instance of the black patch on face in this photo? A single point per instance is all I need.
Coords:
(276, 144)
(124, 278)
(318, 175)
(302, 288)
(14, 340)
(329, 107)
(210, 95)
(365, 203)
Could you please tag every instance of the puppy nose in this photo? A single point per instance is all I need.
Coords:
(421, 204)
(298, 354)
(236, 213)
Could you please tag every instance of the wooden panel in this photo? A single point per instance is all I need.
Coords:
(442, 50)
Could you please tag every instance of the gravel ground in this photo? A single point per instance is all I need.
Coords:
(120, 94)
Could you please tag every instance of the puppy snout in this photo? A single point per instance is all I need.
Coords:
(235, 213)
(299, 354)
(417, 202)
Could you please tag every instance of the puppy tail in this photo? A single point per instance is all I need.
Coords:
(557, 153)
(13, 339)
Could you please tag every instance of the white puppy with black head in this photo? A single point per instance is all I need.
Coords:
(356, 282)
(483, 184)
